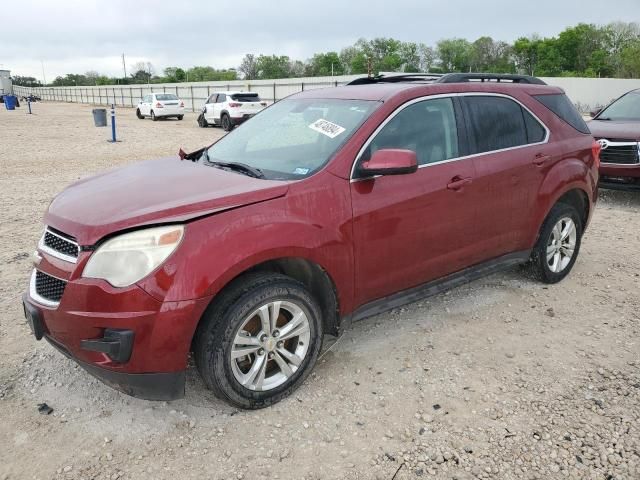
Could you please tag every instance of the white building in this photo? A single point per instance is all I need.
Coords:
(5, 82)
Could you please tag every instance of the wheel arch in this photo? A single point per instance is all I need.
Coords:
(576, 196)
(308, 272)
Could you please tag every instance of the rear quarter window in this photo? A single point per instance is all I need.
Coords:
(560, 104)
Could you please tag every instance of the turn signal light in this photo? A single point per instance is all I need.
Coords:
(159, 105)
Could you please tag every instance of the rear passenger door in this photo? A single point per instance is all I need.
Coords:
(511, 152)
(209, 108)
(218, 106)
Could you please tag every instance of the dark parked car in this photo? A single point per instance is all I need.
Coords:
(617, 129)
(327, 207)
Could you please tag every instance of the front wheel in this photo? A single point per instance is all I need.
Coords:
(202, 122)
(558, 246)
(259, 340)
(139, 115)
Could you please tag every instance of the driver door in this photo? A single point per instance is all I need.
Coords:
(413, 228)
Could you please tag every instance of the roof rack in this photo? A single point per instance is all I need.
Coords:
(489, 77)
(396, 77)
(447, 78)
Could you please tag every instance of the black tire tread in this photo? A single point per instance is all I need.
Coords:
(537, 266)
(213, 327)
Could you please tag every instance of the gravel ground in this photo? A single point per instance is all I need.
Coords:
(503, 378)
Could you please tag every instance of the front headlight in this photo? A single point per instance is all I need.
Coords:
(127, 258)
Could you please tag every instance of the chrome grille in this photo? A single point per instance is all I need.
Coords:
(59, 245)
(49, 288)
(619, 152)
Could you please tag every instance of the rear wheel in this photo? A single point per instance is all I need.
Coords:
(202, 122)
(180, 117)
(153, 116)
(226, 123)
(558, 246)
(259, 341)
(139, 115)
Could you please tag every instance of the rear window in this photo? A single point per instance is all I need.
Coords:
(165, 96)
(495, 123)
(245, 97)
(559, 104)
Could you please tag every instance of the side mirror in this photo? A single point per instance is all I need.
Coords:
(593, 113)
(391, 161)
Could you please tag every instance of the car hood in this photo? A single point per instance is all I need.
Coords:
(609, 129)
(151, 192)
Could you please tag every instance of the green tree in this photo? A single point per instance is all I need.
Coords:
(454, 54)
(272, 66)
(324, 65)
(249, 67)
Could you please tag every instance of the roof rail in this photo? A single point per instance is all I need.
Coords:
(489, 77)
(396, 77)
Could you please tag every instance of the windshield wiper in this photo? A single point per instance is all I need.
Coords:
(235, 166)
(602, 118)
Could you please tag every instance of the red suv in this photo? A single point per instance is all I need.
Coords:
(327, 207)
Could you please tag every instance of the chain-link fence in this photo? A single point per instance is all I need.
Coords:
(586, 93)
(192, 94)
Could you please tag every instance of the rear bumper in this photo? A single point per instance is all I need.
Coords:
(240, 119)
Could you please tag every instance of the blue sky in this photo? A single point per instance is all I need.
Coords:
(74, 36)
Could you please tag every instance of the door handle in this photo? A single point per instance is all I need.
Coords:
(540, 159)
(458, 182)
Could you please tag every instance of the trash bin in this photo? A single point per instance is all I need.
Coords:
(10, 102)
(100, 117)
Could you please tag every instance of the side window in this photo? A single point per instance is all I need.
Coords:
(221, 98)
(146, 99)
(212, 98)
(535, 131)
(494, 123)
(427, 128)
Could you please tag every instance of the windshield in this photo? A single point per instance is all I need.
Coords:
(293, 138)
(625, 108)
(166, 96)
(245, 97)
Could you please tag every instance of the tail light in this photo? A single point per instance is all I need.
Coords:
(181, 104)
(159, 105)
(264, 104)
(595, 151)
(234, 105)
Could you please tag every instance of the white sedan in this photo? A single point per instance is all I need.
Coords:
(158, 105)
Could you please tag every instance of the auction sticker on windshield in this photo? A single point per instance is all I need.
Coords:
(327, 128)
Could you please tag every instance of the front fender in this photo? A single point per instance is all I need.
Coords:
(217, 249)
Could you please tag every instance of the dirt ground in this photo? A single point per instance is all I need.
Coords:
(504, 378)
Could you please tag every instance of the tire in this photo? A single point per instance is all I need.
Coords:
(202, 122)
(153, 116)
(549, 260)
(139, 115)
(227, 126)
(180, 117)
(236, 309)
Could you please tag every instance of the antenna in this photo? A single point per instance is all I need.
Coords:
(124, 66)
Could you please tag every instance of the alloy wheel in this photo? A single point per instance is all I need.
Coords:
(561, 244)
(270, 345)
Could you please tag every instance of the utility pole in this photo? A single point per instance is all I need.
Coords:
(124, 66)
(44, 79)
